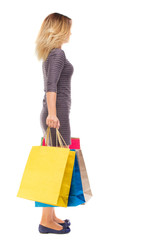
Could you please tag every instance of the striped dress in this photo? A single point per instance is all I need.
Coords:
(57, 73)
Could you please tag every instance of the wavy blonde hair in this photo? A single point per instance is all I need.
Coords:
(54, 31)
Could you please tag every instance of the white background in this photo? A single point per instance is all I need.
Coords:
(106, 49)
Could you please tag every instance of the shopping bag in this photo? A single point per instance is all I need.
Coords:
(75, 143)
(76, 178)
(48, 173)
(76, 196)
(84, 175)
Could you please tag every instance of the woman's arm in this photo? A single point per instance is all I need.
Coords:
(52, 120)
(51, 102)
(55, 67)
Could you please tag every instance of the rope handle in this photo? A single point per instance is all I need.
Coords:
(61, 137)
(47, 136)
(58, 135)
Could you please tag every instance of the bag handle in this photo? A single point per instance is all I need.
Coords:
(58, 135)
(47, 135)
(61, 137)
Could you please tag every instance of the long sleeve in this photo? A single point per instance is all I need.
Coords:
(54, 69)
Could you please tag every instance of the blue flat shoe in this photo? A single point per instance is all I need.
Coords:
(67, 223)
(43, 229)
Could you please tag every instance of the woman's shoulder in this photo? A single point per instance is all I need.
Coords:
(56, 54)
(57, 51)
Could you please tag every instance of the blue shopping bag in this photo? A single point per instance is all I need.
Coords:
(76, 196)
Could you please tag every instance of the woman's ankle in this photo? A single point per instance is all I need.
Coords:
(45, 221)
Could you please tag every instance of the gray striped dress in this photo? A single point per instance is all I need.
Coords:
(57, 73)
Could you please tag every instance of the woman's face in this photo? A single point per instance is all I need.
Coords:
(69, 35)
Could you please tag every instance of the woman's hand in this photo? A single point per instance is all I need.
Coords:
(52, 121)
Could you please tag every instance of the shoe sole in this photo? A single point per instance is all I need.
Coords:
(53, 233)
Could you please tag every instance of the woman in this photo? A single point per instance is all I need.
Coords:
(57, 72)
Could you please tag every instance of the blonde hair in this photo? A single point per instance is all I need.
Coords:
(54, 31)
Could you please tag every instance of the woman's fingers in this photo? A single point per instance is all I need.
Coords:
(53, 123)
(58, 125)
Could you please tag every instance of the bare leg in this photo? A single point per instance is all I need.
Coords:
(58, 220)
(47, 219)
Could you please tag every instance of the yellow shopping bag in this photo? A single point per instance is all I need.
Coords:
(48, 173)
